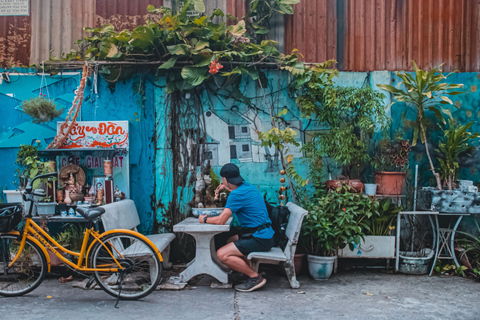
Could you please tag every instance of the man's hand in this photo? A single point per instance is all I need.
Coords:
(200, 218)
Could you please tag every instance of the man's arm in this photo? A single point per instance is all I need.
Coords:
(221, 219)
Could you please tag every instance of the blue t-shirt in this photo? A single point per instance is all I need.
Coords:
(248, 205)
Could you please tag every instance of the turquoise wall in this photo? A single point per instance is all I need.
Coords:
(141, 100)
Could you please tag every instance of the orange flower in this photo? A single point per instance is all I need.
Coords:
(214, 67)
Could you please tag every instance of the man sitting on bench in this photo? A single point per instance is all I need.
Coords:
(256, 232)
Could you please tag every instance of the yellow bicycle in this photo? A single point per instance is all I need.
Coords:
(124, 263)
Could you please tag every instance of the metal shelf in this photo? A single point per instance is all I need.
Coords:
(110, 152)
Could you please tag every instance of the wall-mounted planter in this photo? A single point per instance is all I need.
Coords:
(381, 247)
(13, 196)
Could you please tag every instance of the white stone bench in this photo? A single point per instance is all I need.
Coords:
(284, 257)
(123, 215)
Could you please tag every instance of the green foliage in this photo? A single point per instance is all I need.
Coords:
(455, 141)
(191, 44)
(29, 165)
(71, 236)
(471, 245)
(42, 110)
(424, 92)
(352, 115)
(384, 222)
(262, 11)
(336, 219)
(215, 180)
(449, 269)
(391, 155)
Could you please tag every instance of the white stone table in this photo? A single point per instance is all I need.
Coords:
(203, 262)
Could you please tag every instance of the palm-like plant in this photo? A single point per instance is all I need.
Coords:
(424, 92)
(456, 140)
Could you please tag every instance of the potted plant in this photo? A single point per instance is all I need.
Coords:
(390, 162)
(379, 240)
(335, 219)
(456, 140)
(41, 109)
(425, 91)
(351, 114)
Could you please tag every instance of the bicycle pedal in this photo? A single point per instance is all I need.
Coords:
(90, 282)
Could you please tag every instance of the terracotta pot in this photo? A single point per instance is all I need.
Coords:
(390, 182)
(355, 185)
(298, 262)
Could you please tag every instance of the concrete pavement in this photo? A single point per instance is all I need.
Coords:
(371, 294)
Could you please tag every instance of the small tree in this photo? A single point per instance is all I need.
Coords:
(424, 92)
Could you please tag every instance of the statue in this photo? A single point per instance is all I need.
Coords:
(72, 179)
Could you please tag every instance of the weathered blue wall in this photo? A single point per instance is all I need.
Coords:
(142, 101)
(130, 100)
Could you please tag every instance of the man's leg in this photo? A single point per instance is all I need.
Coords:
(232, 257)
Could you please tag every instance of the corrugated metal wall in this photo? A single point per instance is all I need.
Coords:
(387, 34)
(360, 34)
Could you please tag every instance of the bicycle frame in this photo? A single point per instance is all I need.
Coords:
(33, 232)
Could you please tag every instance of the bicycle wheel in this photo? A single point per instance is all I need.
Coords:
(142, 271)
(28, 270)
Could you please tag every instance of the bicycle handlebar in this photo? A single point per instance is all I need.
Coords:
(42, 176)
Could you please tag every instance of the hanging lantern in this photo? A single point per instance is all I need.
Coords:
(282, 197)
(282, 188)
(282, 172)
(282, 180)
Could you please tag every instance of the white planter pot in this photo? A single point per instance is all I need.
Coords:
(370, 189)
(320, 268)
(13, 196)
(382, 247)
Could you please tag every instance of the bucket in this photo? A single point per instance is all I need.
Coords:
(370, 189)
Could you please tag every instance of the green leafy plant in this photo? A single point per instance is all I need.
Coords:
(29, 166)
(336, 219)
(384, 222)
(41, 109)
(455, 141)
(391, 155)
(471, 245)
(424, 92)
(351, 114)
(449, 269)
(71, 236)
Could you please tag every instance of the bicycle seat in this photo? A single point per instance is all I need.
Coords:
(91, 213)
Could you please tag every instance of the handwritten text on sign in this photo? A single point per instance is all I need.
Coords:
(14, 7)
(97, 134)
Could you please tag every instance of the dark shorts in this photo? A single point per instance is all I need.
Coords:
(244, 245)
(253, 244)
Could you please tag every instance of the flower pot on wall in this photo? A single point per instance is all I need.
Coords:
(320, 268)
(390, 182)
(13, 196)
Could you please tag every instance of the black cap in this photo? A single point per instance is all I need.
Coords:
(231, 173)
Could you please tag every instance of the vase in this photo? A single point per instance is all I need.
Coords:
(320, 268)
(390, 183)
(67, 197)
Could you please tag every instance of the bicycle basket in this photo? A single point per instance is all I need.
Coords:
(10, 216)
